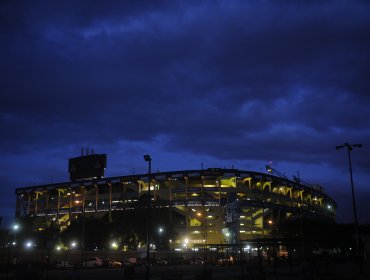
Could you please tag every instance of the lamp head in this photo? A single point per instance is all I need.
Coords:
(349, 147)
(268, 168)
(147, 158)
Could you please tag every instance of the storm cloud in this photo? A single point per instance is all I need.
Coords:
(188, 81)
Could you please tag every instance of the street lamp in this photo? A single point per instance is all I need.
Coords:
(14, 229)
(349, 149)
(72, 245)
(160, 231)
(29, 244)
(149, 160)
(186, 242)
(114, 245)
(273, 229)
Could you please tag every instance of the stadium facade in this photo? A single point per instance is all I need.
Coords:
(215, 206)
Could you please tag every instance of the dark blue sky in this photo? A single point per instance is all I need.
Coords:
(223, 83)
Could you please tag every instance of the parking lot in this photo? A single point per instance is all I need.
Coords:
(335, 271)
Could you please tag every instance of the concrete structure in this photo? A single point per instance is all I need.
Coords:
(216, 205)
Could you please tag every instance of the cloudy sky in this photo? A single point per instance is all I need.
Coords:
(218, 83)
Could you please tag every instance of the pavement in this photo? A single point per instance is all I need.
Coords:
(332, 271)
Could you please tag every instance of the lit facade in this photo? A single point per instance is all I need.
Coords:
(217, 206)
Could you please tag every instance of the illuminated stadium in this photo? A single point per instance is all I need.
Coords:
(212, 206)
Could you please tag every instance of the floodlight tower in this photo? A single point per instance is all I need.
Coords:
(149, 160)
(349, 149)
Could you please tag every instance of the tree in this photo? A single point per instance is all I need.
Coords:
(96, 232)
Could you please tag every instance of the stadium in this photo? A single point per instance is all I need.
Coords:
(206, 206)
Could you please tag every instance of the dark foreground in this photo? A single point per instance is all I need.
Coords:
(334, 271)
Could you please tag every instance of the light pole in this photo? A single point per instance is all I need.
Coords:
(349, 149)
(149, 160)
(72, 245)
(160, 230)
(273, 230)
(14, 230)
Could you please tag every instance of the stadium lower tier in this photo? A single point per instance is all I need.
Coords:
(212, 206)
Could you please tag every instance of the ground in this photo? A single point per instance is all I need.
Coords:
(333, 271)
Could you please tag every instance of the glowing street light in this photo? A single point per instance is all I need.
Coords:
(114, 245)
(14, 228)
(186, 242)
(160, 231)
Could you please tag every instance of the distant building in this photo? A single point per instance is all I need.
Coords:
(216, 206)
